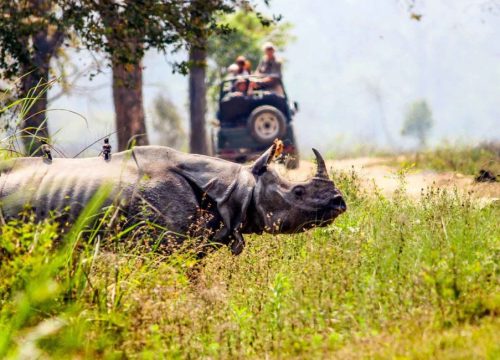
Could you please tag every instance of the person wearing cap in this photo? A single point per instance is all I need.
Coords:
(232, 70)
(240, 88)
(269, 64)
(270, 70)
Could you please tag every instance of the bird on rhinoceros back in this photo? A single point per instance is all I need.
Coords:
(46, 150)
(235, 199)
(106, 149)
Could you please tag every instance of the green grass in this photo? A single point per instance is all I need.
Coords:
(463, 159)
(392, 278)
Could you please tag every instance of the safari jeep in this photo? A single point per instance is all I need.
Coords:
(247, 123)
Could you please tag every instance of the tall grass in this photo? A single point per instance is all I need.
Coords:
(16, 138)
(465, 159)
(393, 277)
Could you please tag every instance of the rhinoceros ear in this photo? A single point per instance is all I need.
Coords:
(260, 165)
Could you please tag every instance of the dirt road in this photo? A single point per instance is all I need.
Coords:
(377, 171)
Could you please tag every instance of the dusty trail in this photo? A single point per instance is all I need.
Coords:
(377, 171)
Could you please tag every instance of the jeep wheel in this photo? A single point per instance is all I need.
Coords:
(266, 123)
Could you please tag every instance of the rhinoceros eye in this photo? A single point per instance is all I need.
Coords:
(299, 191)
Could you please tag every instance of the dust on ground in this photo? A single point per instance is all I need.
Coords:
(379, 172)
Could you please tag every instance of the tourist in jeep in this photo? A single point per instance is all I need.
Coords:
(232, 71)
(240, 88)
(270, 68)
(243, 66)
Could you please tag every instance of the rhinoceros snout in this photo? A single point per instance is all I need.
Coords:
(338, 204)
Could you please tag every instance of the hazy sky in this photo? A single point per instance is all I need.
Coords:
(354, 68)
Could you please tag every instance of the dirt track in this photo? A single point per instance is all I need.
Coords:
(376, 171)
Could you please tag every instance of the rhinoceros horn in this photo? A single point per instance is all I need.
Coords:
(321, 171)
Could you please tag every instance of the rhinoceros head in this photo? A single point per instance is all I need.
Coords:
(290, 207)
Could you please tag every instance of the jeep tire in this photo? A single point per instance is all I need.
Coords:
(266, 123)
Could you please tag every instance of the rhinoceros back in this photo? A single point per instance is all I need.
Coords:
(159, 176)
(62, 184)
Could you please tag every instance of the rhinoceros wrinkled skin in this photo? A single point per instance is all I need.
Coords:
(176, 188)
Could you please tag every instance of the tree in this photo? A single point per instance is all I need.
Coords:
(203, 17)
(128, 101)
(198, 99)
(197, 43)
(31, 33)
(167, 121)
(124, 31)
(418, 122)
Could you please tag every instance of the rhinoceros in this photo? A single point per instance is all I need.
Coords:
(176, 188)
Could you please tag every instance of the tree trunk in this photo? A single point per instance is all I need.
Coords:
(34, 122)
(198, 99)
(129, 110)
(34, 87)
